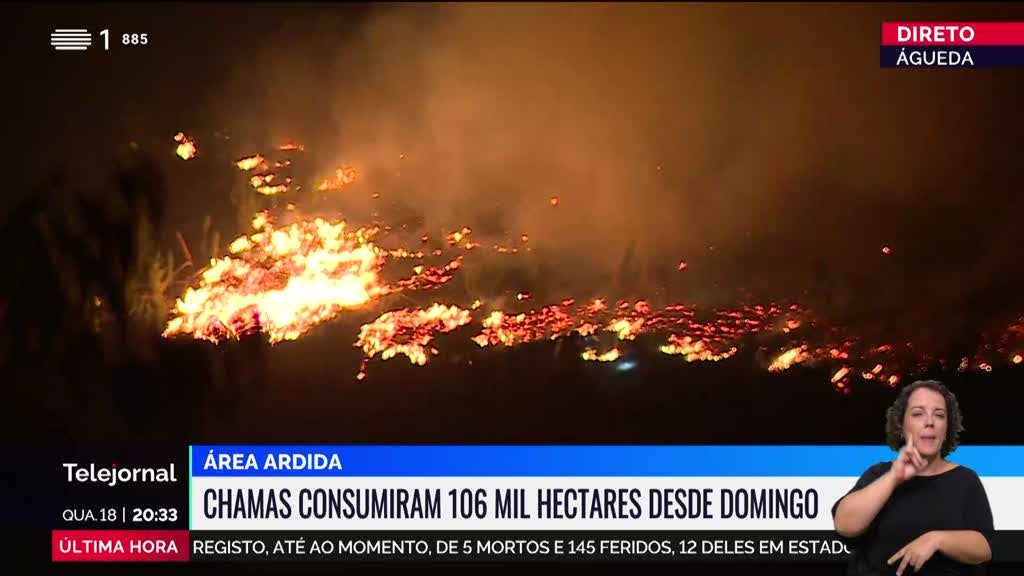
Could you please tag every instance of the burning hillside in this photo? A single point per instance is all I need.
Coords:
(282, 280)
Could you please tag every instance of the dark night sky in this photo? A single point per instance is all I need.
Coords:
(86, 103)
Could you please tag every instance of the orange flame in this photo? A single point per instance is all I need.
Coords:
(625, 328)
(788, 359)
(249, 162)
(840, 374)
(343, 176)
(272, 190)
(281, 282)
(186, 149)
(260, 180)
(457, 236)
(408, 332)
(694, 351)
(591, 355)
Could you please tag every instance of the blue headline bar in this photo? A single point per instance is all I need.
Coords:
(601, 461)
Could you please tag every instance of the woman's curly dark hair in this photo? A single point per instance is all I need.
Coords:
(894, 416)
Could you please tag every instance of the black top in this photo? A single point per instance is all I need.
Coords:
(952, 500)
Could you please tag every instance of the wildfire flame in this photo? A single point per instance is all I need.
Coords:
(250, 162)
(273, 190)
(343, 176)
(592, 355)
(695, 351)
(840, 374)
(186, 149)
(260, 180)
(280, 281)
(788, 359)
(457, 236)
(408, 332)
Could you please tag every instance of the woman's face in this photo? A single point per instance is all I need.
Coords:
(925, 421)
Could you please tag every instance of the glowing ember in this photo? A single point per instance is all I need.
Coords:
(260, 180)
(682, 265)
(1017, 359)
(428, 277)
(186, 149)
(457, 236)
(289, 146)
(788, 359)
(408, 332)
(591, 355)
(626, 329)
(343, 176)
(886, 250)
(554, 200)
(280, 282)
(272, 190)
(550, 322)
(840, 374)
(694, 351)
(249, 162)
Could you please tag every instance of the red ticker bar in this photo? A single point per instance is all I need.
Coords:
(953, 33)
(120, 546)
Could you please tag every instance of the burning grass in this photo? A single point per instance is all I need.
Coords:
(282, 281)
